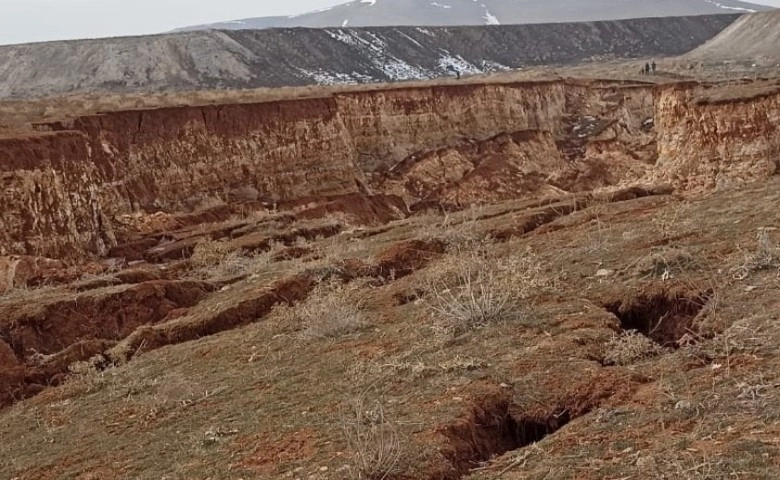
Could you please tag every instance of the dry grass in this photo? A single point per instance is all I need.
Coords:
(765, 256)
(668, 221)
(746, 336)
(374, 439)
(332, 310)
(630, 347)
(208, 253)
(214, 260)
(19, 293)
(474, 289)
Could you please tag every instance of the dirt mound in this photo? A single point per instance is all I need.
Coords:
(358, 209)
(753, 37)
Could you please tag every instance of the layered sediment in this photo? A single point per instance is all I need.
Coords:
(65, 187)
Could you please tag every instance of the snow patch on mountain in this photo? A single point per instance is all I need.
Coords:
(726, 7)
(490, 19)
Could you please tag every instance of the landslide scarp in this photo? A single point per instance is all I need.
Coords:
(374, 155)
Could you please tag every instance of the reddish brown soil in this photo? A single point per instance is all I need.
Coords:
(196, 370)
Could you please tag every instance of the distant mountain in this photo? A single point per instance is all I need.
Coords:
(751, 38)
(370, 13)
(278, 57)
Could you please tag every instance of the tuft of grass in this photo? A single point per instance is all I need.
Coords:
(208, 253)
(332, 310)
(667, 222)
(374, 439)
(766, 256)
(219, 260)
(475, 289)
(630, 347)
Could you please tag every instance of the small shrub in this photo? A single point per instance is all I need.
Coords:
(218, 260)
(208, 253)
(374, 440)
(332, 310)
(766, 256)
(475, 289)
(747, 335)
(667, 222)
(630, 347)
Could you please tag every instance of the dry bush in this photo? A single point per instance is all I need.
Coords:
(766, 256)
(668, 221)
(457, 234)
(208, 253)
(598, 238)
(86, 376)
(747, 335)
(332, 310)
(474, 289)
(218, 260)
(374, 439)
(630, 347)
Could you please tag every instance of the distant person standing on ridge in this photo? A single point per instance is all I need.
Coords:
(653, 67)
(647, 69)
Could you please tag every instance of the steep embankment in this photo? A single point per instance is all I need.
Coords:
(753, 37)
(706, 144)
(62, 187)
(437, 145)
(288, 57)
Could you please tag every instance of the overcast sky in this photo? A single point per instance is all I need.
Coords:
(38, 20)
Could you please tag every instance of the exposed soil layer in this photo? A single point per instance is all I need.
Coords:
(118, 176)
(495, 424)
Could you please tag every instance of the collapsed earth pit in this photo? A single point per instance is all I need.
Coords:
(494, 427)
(665, 316)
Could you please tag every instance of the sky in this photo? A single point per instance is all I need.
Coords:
(40, 20)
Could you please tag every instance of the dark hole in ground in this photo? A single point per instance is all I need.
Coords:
(408, 296)
(492, 430)
(664, 317)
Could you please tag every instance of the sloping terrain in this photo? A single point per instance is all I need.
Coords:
(751, 38)
(627, 339)
(569, 278)
(374, 13)
(290, 57)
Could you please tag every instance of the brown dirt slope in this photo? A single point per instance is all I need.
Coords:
(630, 339)
(528, 280)
(754, 37)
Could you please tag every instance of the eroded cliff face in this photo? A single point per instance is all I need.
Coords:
(388, 126)
(706, 145)
(441, 145)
